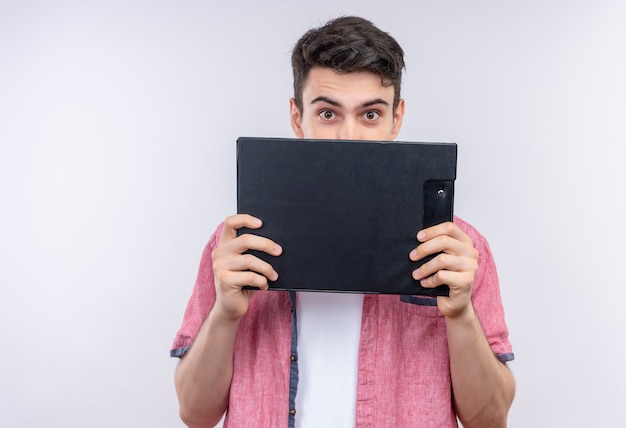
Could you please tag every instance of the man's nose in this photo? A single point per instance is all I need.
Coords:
(348, 130)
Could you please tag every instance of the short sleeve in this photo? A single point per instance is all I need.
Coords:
(201, 300)
(486, 296)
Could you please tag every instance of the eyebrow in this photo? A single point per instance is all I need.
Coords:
(337, 104)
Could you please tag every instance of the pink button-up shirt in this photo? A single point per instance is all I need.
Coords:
(404, 368)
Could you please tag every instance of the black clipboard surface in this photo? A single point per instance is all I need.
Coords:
(345, 212)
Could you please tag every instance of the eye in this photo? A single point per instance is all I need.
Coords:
(371, 115)
(326, 115)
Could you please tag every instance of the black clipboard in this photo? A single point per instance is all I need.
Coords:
(345, 212)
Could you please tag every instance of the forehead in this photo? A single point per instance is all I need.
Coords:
(346, 88)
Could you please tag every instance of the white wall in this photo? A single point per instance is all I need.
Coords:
(117, 129)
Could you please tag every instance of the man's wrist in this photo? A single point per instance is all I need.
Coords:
(465, 316)
(221, 317)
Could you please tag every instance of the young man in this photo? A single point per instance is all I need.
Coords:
(414, 361)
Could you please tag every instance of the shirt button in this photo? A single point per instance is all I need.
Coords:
(292, 411)
(293, 358)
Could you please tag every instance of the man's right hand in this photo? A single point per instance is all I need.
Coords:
(233, 269)
(205, 373)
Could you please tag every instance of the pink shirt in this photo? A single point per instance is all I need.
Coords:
(404, 369)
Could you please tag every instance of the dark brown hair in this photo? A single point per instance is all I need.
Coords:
(348, 44)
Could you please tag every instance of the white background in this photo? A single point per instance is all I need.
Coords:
(117, 129)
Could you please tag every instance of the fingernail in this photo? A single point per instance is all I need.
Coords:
(413, 254)
(274, 276)
(257, 221)
(421, 236)
(278, 249)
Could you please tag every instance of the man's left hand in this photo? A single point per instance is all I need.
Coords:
(455, 265)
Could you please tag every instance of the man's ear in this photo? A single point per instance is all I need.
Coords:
(398, 116)
(296, 118)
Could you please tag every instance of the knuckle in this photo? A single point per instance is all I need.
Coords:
(221, 276)
(215, 254)
(474, 270)
(230, 221)
(446, 241)
(440, 261)
(248, 259)
(474, 261)
(262, 282)
(251, 278)
(423, 250)
(247, 240)
(217, 265)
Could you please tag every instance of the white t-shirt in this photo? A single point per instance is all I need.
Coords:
(329, 326)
